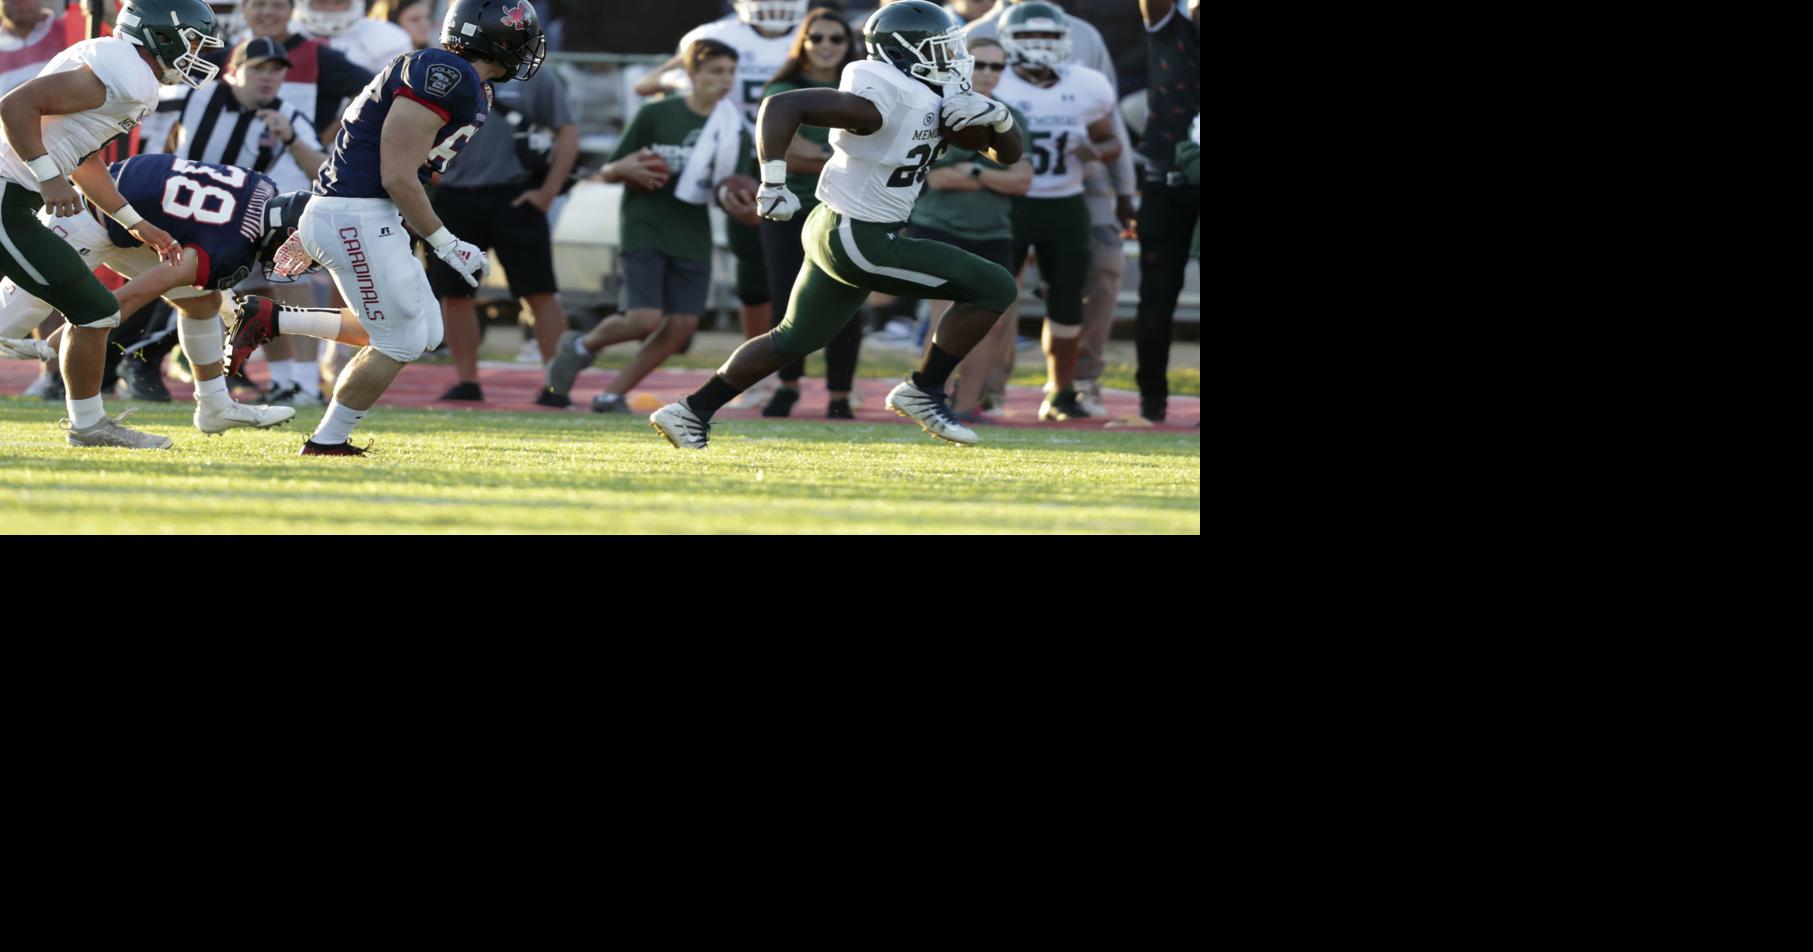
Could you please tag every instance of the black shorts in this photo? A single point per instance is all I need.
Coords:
(520, 234)
(1000, 250)
(652, 281)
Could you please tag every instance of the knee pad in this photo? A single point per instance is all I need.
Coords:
(105, 323)
(204, 340)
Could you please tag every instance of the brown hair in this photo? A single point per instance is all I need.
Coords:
(702, 50)
(796, 54)
(391, 10)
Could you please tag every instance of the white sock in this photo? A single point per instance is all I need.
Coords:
(212, 393)
(337, 426)
(307, 376)
(580, 348)
(85, 413)
(311, 322)
(279, 371)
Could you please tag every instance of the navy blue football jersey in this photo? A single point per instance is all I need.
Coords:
(437, 79)
(216, 209)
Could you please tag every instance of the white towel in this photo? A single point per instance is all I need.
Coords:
(715, 156)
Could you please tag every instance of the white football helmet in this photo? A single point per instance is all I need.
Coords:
(328, 23)
(1035, 16)
(231, 21)
(775, 16)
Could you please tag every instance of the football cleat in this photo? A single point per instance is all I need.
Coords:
(781, 404)
(255, 327)
(681, 426)
(27, 348)
(839, 410)
(212, 420)
(610, 403)
(109, 432)
(312, 448)
(1061, 406)
(931, 412)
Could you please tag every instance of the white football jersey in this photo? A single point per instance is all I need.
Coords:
(758, 58)
(877, 177)
(1057, 124)
(372, 44)
(131, 96)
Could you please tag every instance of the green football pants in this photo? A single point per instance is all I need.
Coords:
(44, 266)
(846, 259)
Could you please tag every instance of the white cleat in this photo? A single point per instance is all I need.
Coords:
(28, 348)
(931, 413)
(109, 432)
(212, 421)
(681, 426)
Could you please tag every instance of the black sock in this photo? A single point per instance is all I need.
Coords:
(711, 398)
(935, 370)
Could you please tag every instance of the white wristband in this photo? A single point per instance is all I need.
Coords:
(127, 216)
(442, 239)
(774, 172)
(45, 168)
(1006, 124)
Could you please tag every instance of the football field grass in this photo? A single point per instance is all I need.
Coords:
(440, 472)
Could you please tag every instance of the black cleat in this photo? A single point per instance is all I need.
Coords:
(142, 379)
(465, 390)
(781, 404)
(312, 448)
(548, 398)
(839, 410)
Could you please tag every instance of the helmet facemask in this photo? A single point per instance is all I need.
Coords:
(944, 59)
(1045, 51)
(176, 46)
(775, 16)
(328, 23)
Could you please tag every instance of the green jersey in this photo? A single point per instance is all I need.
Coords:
(978, 216)
(659, 221)
(803, 185)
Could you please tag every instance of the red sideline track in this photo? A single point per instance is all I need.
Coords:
(513, 387)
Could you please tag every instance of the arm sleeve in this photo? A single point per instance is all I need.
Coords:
(119, 68)
(865, 79)
(442, 86)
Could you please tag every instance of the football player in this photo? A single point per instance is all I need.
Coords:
(343, 24)
(1069, 122)
(226, 220)
(887, 118)
(410, 122)
(55, 126)
(761, 31)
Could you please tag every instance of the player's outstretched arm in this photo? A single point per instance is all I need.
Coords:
(782, 115)
(94, 181)
(156, 282)
(22, 113)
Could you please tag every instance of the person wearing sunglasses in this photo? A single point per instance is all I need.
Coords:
(822, 48)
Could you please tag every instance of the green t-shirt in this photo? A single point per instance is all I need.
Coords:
(803, 185)
(978, 216)
(658, 221)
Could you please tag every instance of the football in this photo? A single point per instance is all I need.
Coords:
(740, 185)
(975, 138)
(654, 161)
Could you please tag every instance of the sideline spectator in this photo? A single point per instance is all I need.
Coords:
(1171, 205)
(824, 45)
(969, 11)
(415, 19)
(496, 200)
(666, 256)
(968, 202)
(30, 36)
(1108, 189)
(1069, 113)
(370, 42)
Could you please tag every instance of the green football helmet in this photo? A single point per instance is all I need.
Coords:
(176, 32)
(1018, 27)
(921, 40)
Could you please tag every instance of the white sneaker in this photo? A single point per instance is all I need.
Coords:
(27, 348)
(931, 412)
(211, 421)
(1089, 397)
(298, 397)
(681, 426)
(109, 432)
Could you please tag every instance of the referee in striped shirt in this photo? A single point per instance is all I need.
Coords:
(240, 121)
